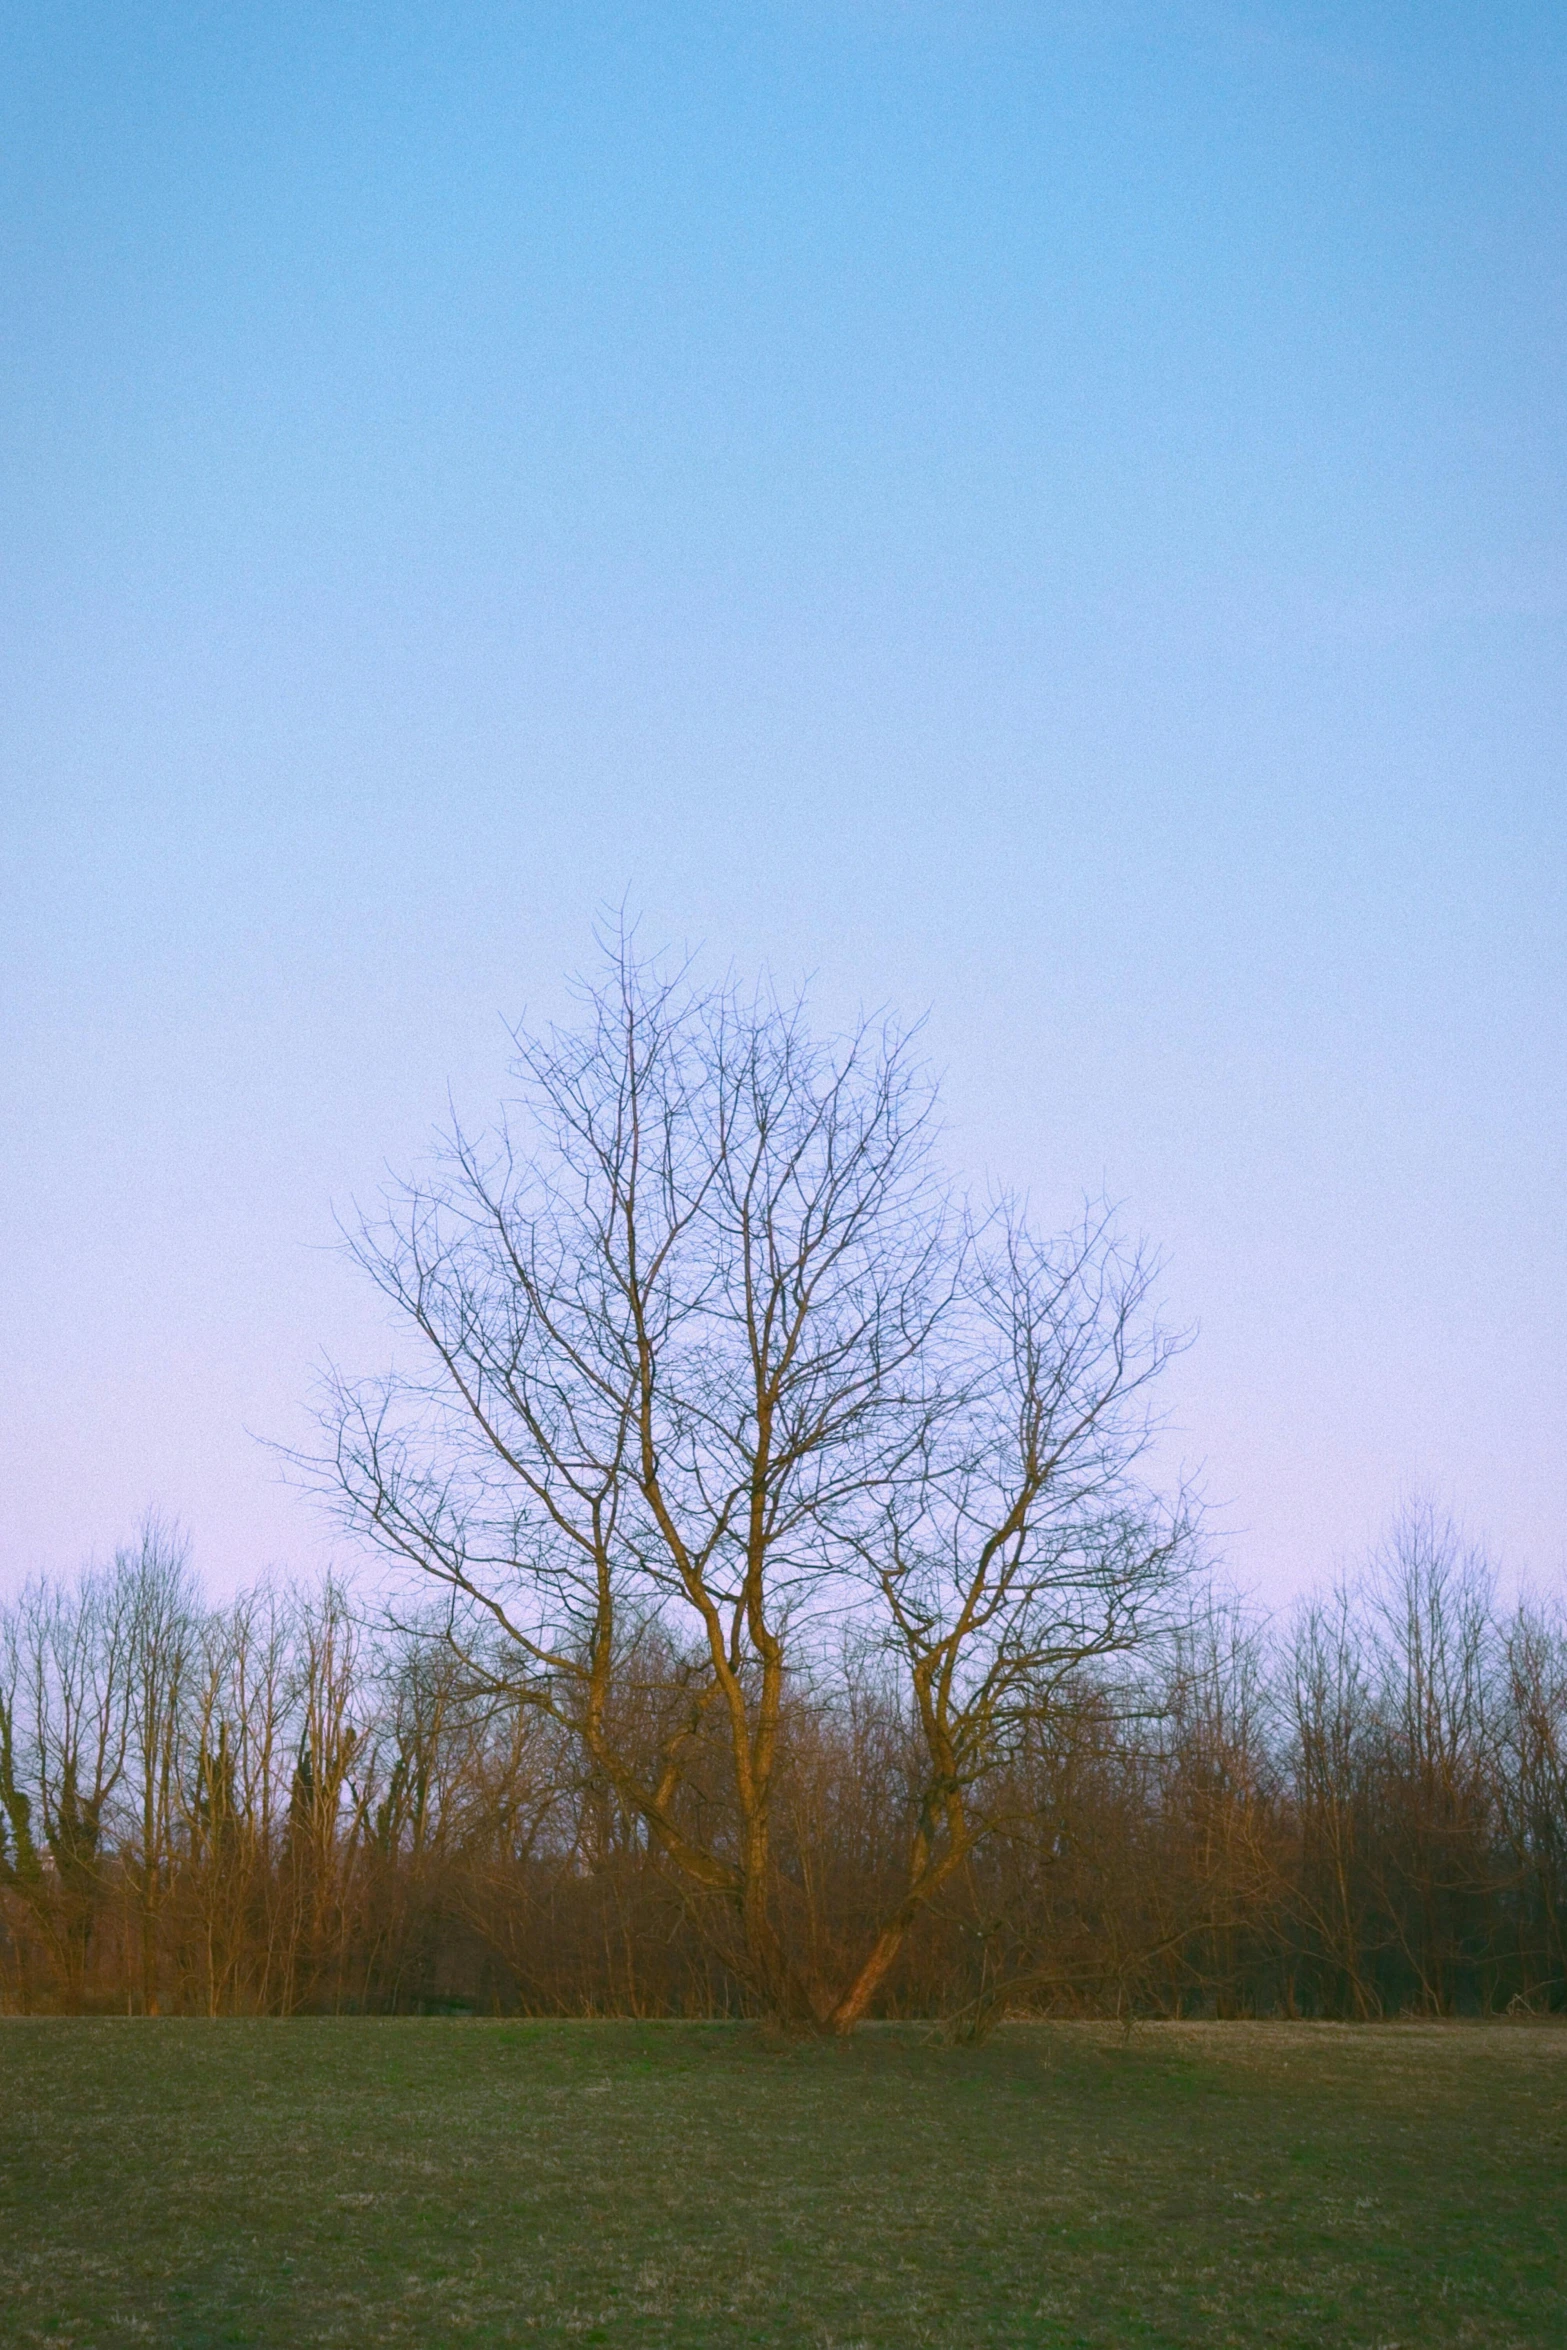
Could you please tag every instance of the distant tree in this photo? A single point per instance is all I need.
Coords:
(258, 1805)
(717, 1376)
(64, 1734)
(159, 1609)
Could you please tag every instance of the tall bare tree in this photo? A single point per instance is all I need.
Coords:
(716, 1368)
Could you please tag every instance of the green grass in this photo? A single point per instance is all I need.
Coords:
(423, 2183)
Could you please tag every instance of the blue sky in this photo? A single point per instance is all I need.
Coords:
(1052, 516)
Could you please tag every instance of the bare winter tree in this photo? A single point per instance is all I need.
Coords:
(63, 1727)
(1019, 1546)
(159, 1605)
(716, 1369)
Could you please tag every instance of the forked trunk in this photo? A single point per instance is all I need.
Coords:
(851, 2007)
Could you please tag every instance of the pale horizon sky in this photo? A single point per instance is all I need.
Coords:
(1050, 517)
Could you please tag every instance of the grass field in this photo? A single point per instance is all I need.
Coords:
(438, 2182)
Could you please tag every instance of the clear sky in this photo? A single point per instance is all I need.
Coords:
(1052, 515)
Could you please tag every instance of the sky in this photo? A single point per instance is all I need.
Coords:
(1045, 517)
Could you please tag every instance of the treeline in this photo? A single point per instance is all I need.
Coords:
(285, 1804)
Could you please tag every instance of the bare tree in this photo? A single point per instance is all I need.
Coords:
(714, 1366)
(64, 1731)
(1327, 1704)
(159, 1606)
(1532, 1793)
(1433, 1611)
(1022, 1547)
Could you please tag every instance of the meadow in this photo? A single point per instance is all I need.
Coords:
(439, 2181)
